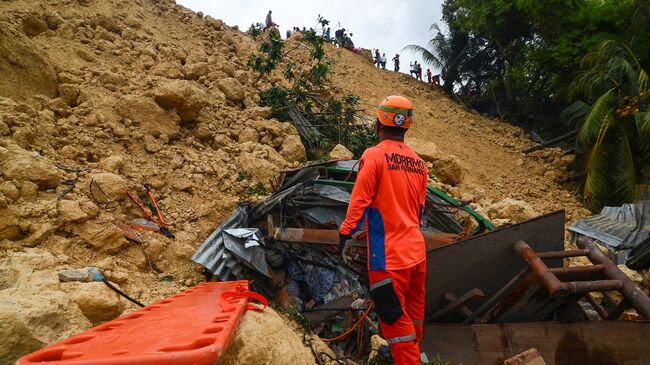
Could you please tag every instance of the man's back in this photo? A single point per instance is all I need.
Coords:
(394, 178)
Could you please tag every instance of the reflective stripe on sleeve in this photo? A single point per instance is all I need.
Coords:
(406, 338)
(380, 283)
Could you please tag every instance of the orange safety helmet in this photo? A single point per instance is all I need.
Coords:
(395, 111)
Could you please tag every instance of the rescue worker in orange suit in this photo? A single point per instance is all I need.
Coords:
(388, 196)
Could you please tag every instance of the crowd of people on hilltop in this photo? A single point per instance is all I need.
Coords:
(344, 40)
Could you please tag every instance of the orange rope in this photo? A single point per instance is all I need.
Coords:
(349, 330)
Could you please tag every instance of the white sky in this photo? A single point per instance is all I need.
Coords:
(387, 25)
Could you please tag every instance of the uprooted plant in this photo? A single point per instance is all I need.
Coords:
(321, 119)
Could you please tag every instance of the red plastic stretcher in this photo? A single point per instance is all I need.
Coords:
(192, 327)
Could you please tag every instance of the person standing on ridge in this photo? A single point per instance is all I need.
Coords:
(419, 71)
(389, 197)
(269, 21)
(383, 61)
(377, 60)
(428, 75)
(414, 69)
(339, 37)
(396, 62)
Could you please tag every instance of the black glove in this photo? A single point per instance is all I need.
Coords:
(342, 239)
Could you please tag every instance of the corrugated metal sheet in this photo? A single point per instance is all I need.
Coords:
(213, 254)
(618, 228)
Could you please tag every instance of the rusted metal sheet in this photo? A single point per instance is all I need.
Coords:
(488, 262)
(599, 342)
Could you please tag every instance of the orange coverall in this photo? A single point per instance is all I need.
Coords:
(388, 196)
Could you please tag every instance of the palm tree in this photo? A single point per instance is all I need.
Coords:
(445, 53)
(614, 124)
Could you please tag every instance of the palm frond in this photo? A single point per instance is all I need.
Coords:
(427, 55)
(596, 118)
(595, 184)
(623, 176)
(575, 113)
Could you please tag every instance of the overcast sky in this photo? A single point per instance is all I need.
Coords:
(387, 25)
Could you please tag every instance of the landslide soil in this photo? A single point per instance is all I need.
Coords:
(104, 96)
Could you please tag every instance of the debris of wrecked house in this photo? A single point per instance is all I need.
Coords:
(512, 278)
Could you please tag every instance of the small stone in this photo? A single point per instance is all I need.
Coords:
(112, 163)
(9, 190)
(69, 152)
(74, 275)
(70, 211)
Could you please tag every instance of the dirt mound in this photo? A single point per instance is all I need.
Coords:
(474, 157)
(99, 97)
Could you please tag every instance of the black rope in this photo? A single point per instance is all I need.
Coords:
(118, 291)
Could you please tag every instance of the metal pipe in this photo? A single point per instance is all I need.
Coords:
(635, 296)
(589, 269)
(545, 276)
(562, 254)
(597, 307)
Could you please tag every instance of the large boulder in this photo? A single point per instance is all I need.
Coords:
(97, 302)
(149, 116)
(339, 152)
(449, 170)
(427, 150)
(25, 71)
(511, 210)
(114, 186)
(19, 164)
(182, 95)
(292, 149)
(34, 311)
(102, 236)
(232, 88)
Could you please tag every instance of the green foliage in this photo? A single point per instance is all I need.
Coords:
(518, 57)
(257, 189)
(293, 313)
(613, 120)
(254, 31)
(335, 118)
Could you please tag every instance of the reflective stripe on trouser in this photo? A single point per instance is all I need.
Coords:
(404, 335)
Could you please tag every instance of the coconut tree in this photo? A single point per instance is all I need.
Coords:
(613, 117)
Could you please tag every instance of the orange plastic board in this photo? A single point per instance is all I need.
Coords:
(192, 327)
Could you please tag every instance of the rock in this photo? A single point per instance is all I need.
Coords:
(152, 145)
(34, 311)
(340, 152)
(113, 185)
(25, 70)
(28, 191)
(232, 88)
(195, 70)
(248, 135)
(59, 107)
(17, 339)
(33, 26)
(70, 211)
(53, 20)
(515, 210)
(38, 233)
(292, 149)
(183, 96)
(259, 112)
(74, 275)
(69, 152)
(9, 228)
(112, 164)
(9, 190)
(18, 164)
(203, 133)
(69, 94)
(216, 24)
(103, 236)
(112, 78)
(168, 70)
(448, 170)
(149, 116)
(97, 302)
(427, 151)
